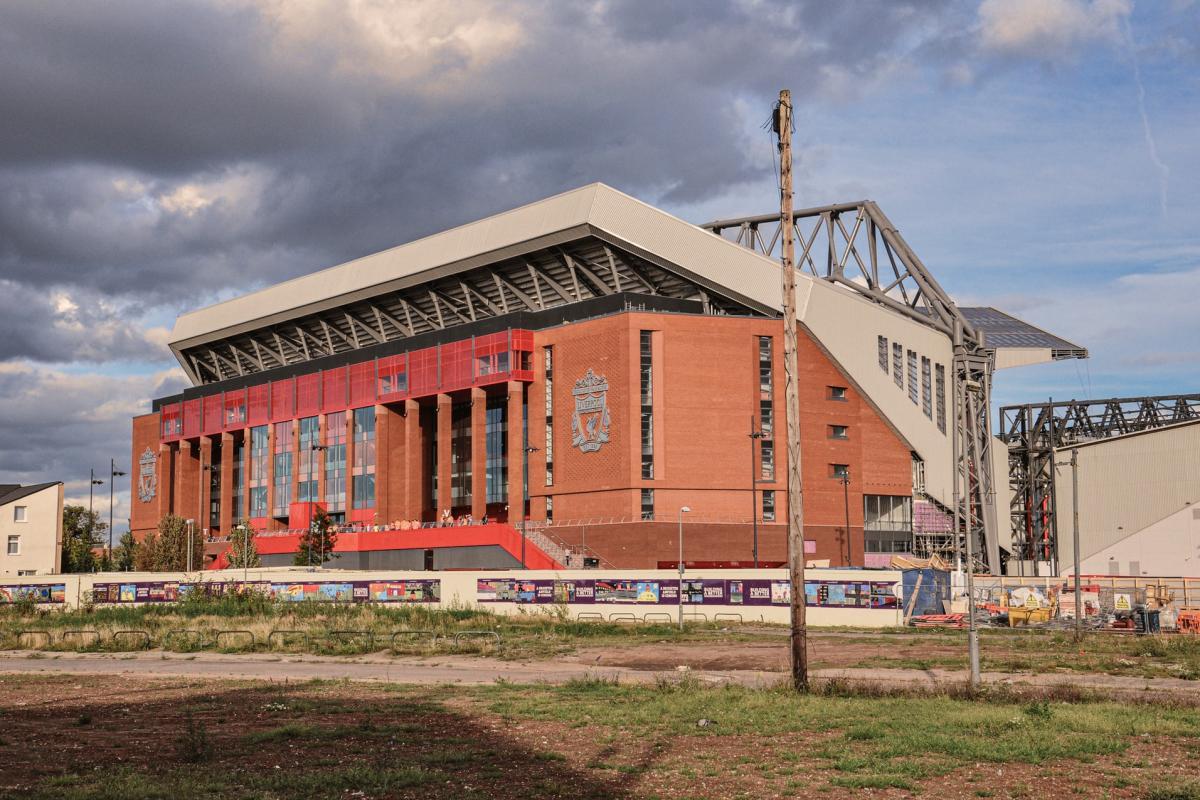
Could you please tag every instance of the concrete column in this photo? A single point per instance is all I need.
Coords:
(516, 452)
(478, 453)
(227, 489)
(443, 452)
(205, 484)
(414, 462)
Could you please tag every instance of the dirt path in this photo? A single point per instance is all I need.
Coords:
(468, 670)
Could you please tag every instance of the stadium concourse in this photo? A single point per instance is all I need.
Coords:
(579, 370)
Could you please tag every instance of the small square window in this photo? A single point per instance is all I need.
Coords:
(14, 545)
(837, 392)
(839, 432)
(20, 514)
(839, 471)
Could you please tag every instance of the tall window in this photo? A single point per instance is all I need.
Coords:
(887, 523)
(214, 488)
(648, 504)
(310, 435)
(883, 353)
(460, 455)
(335, 464)
(766, 408)
(768, 505)
(283, 469)
(497, 450)
(364, 457)
(239, 470)
(259, 456)
(646, 375)
(912, 376)
(14, 545)
(549, 354)
(926, 388)
(898, 364)
(941, 398)
(549, 509)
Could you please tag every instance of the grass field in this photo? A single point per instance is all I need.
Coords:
(86, 739)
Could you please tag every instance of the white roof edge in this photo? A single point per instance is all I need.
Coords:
(707, 255)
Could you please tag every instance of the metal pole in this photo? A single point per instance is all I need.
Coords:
(972, 630)
(846, 495)
(245, 560)
(682, 511)
(112, 474)
(754, 435)
(795, 497)
(191, 528)
(1075, 541)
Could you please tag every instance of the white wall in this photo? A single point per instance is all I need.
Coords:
(1169, 547)
(39, 537)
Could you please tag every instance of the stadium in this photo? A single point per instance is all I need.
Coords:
(554, 385)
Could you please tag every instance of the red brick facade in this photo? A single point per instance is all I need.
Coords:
(705, 392)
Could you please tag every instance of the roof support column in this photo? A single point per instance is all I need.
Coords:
(226, 516)
(413, 499)
(444, 435)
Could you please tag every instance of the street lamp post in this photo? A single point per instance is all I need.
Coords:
(317, 448)
(93, 482)
(755, 434)
(245, 548)
(191, 526)
(683, 510)
(113, 474)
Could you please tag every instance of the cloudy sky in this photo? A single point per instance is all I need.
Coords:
(1041, 156)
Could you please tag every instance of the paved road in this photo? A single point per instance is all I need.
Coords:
(468, 670)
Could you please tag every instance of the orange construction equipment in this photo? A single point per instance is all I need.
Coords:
(1188, 621)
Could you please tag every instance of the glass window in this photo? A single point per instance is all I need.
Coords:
(766, 452)
(912, 377)
(926, 388)
(883, 353)
(364, 458)
(259, 470)
(335, 462)
(497, 450)
(549, 509)
(837, 392)
(646, 376)
(768, 505)
(766, 407)
(549, 361)
(14, 545)
(841, 471)
(941, 398)
(283, 469)
(898, 364)
(887, 523)
(239, 470)
(20, 514)
(648, 504)
(308, 459)
(839, 432)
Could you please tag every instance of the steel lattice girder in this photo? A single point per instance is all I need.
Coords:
(1033, 431)
(856, 246)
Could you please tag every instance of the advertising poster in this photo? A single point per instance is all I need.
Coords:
(39, 593)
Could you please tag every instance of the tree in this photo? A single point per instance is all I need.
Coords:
(242, 550)
(83, 532)
(167, 549)
(124, 555)
(317, 542)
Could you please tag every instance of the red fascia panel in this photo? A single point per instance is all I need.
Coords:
(423, 372)
(213, 414)
(235, 409)
(172, 421)
(365, 516)
(308, 395)
(283, 400)
(257, 403)
(333, 389)
(362, 384)
(522, 340)
(457, 366)
(192, 412)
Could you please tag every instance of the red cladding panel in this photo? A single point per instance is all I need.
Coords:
(392, 380)
(283, 400)
(213, 413)
(308, 395)
(235, 409)
(362, 383)
(457, 365)
(192, 411)
(257, 405)
(423, 372)
(333, 389)
(172, 421)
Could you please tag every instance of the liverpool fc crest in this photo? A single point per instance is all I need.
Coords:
(147, 476)
(589, 425)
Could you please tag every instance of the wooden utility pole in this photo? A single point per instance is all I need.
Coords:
(795, 496)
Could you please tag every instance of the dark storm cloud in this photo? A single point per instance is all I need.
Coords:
(339, 162)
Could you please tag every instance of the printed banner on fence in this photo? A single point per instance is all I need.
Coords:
(423, 590)
(38, 593)
(696, 591)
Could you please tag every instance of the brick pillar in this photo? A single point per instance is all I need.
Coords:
(205, 489)
(187, 495)
(516, 452)
(414, 462)
(227, 520)
(478, 453)
(164, 490)
(443, 452)
(383, 428)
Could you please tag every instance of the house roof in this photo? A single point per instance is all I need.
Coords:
(11, 492)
